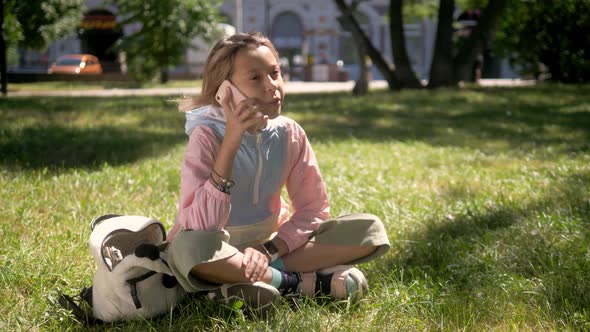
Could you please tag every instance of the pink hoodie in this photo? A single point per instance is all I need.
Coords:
(279, 155)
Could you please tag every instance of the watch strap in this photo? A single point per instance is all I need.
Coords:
(271, 250)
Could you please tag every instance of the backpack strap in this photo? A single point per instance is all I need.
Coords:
(101, 218)
(133, 284)
(81, 310)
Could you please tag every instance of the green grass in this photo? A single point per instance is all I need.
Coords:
(484, 192)
(98, 85)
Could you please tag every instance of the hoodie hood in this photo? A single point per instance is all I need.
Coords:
(207, 115)
(214, 117)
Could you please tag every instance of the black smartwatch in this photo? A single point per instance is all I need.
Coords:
(271, 250)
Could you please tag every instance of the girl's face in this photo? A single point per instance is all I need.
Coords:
(257, 74)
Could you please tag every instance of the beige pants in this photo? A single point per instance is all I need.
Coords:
(190, 248)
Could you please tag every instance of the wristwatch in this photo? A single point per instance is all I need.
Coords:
(272, 250)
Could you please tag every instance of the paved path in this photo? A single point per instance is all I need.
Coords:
(290, 87)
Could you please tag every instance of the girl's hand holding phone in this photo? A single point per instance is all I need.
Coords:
(241, 113)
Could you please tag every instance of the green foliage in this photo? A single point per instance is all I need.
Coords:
(484, 193)
(418, 10)
(471, 4)
(551, 33)
(162, 32)
(421, 9)
(34, 24)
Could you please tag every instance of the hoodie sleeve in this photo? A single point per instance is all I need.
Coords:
(306, 189)
(201, 206)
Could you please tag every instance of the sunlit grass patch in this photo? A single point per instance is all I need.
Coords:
(99, 85)
(484, 193)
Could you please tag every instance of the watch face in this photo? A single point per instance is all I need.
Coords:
(270, 246)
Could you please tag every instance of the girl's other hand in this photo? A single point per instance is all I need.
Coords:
(254, 264)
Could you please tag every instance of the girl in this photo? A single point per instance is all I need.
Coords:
(234, 235)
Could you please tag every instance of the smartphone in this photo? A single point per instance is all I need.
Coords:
(237, 95)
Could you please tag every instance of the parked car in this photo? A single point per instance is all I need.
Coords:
(76, 64)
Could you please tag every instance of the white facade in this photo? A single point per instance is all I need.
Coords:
(303, 31)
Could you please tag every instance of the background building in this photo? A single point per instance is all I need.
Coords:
(308, 31)
(304, 32)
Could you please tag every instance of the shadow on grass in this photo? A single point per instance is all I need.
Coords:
(63, 147)
(522, 117)
(98, 84)
(62, 133)
(534, 253)
(56, 108)
(33, 131)
(197, 312)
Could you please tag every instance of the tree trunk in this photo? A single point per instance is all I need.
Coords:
(361, 85)
(403, 67)
(441, 69)
(476, 42)
(164, 75)
(2, 51)
(388, 73)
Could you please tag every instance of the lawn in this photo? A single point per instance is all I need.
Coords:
(484, 192)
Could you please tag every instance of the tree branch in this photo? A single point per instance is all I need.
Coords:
(374, 54)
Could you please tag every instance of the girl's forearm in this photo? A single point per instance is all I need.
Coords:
(225, 157)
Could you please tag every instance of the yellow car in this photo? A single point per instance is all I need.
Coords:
(76, 64)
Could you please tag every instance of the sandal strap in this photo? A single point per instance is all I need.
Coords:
(361, 281)
(338, 285)
(307, 284)
(338, 289)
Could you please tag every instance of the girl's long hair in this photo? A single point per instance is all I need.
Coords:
(219, 66)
